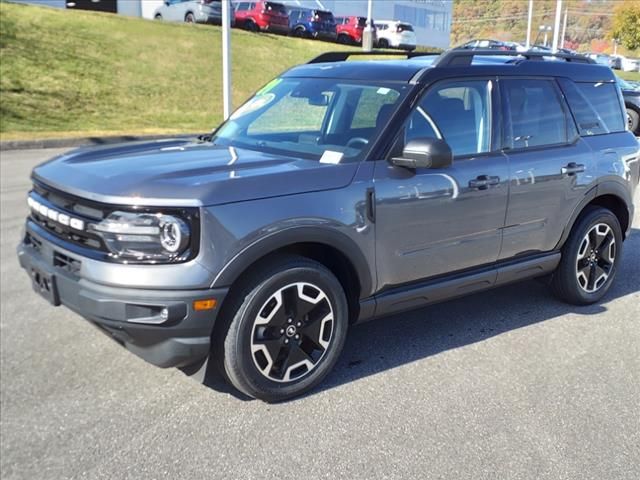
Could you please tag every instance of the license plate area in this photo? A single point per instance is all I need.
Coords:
(45, 284)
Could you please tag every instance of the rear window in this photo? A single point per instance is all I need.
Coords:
(362, 22)
(405, 27)
(275, 8)
(324, 16)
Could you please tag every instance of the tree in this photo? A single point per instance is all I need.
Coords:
(626, 24)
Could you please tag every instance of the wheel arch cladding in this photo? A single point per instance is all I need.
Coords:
(336, 252)
(601, 198)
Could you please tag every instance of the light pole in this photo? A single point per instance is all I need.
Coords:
(546, 29)
(367, 35)
(556, 26)
(529, 24)
(226, 58)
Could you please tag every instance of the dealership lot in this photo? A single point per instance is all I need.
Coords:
(507, 384)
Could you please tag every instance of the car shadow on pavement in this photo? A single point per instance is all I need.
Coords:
(390, 342)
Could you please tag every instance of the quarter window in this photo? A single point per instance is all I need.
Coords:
(536, 115)
(604, 99)
(457, 112)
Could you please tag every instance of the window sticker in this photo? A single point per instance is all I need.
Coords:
(383, 90)
(269, 86)
(256, 103)
(331, 157)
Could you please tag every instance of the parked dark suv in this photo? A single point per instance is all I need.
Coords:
(311, 23)
(342, 191)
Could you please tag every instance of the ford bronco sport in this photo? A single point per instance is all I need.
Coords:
(342, 191)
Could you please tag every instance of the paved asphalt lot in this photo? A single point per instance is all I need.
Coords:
(509, 384)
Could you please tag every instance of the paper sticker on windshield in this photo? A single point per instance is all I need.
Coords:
(256, 103)
(269, 86)
(329, 156)
(383, 90)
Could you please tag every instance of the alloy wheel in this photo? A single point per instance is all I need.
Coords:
(292, 332)
(596, 257)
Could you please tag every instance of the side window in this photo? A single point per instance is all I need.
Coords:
(459, 113)
(534, 108)
(604, 99)
(372, 108)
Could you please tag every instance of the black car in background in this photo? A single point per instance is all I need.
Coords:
(631, 95)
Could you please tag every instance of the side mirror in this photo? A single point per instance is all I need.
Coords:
(425, 153)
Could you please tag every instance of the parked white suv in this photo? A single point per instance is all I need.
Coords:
(394, 34)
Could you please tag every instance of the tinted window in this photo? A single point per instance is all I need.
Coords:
(457, 112)
(405, 27)
(362, 22)
(536, 115)
(604, 99)
(275, 7)
(323, 16)
(370, 111)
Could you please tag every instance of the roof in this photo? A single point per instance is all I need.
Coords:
(429, 67)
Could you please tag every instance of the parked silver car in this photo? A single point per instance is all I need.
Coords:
(190, 11)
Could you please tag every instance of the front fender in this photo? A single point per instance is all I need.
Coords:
(295, 235)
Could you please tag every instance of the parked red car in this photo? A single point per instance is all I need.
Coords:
(350, 29)
(262, 16)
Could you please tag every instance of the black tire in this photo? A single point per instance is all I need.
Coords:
(344, 39)
(273, 293)
(300, 32)
(251, 26)
(158, 16)
(190, 18)
(634, 121)
(579, 277)
(383, 43)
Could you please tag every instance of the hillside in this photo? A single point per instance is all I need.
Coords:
(588, 25)
(73, 72)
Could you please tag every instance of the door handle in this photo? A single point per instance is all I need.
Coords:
(483, 182)
(572, 169)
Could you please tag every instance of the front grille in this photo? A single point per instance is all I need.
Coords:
(67, 263)
(75, 207)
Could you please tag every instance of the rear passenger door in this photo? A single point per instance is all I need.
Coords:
(550, 165)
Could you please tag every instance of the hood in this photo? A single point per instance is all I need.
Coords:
(185, 172)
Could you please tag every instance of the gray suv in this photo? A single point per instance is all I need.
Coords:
(342, 191)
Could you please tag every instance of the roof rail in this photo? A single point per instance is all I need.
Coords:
(343, 56)
(463, 57)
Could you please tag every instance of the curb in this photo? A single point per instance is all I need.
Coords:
(83, 141)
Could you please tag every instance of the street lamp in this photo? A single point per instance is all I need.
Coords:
(367, 35)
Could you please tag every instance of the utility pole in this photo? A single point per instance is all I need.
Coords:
(528, 45)
(226, 58)
(367, 35)
(556, 26)
(564, 27)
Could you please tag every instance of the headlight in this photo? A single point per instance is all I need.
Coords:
(144, 236)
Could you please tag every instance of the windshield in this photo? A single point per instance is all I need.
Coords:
(319, 119)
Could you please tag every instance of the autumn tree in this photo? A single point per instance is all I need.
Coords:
(626, 24)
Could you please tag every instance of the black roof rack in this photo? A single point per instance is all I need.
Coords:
(464, 57)
(343, 56)
(457, 57)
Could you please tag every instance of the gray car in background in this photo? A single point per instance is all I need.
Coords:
(190, 11)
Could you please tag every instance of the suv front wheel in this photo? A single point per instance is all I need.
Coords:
(589, 258)
(285, 329)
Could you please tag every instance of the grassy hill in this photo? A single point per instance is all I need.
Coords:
(80, 73)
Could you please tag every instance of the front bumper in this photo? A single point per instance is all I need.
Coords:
(131, 316)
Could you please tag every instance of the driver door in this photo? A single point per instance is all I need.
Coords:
(432, 221)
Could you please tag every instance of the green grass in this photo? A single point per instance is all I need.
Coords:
(635, 76)
(67, 73)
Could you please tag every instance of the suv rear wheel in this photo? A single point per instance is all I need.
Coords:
(634, 121)
(284, 331)
(589, 258)
(189, 18)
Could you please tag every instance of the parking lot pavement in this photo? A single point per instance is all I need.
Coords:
(509, 384)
